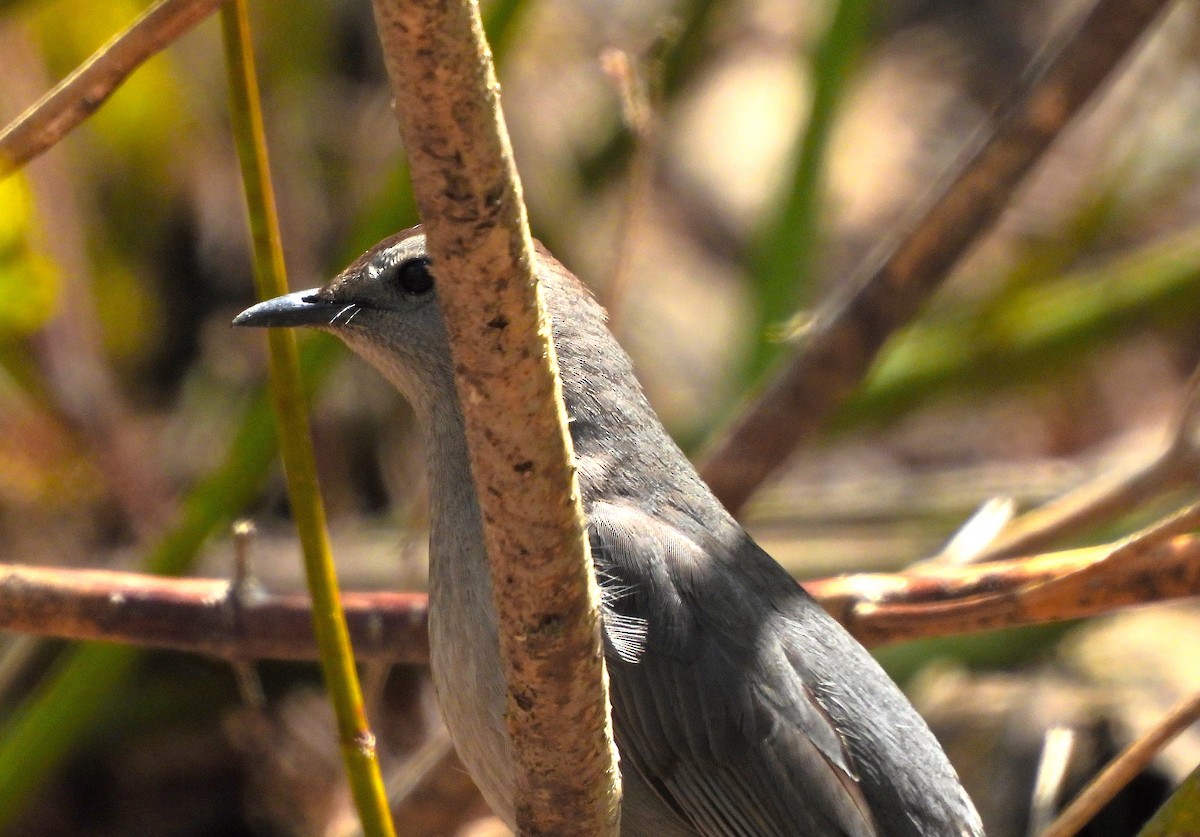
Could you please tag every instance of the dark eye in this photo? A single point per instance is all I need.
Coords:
(413, 276)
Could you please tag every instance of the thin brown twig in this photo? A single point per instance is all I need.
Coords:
(844, 338)
(1183, 436)
(241, 587)
(1108, 497)
(1122, 770)
(637, 107)
(1091, 504)
(80, 94)
(200, 616)
(1182, 522)
(1159, 563)
(441, 800)
(195, 615)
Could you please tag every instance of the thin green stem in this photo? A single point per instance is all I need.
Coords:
(337, 659)
(783, 261)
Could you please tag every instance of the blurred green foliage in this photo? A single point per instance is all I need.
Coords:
(786, 251)
(29, 283)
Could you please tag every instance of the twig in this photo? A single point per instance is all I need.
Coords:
(979, 532)
(1121, 770)
(199, 616)
(686, 47)
(1177, 465)
(442, 800)
(844, 338)
(637, 108)
(1155, 566)
(242, 586)
(418, 766)
(195, 615)
(80, 94)
(1184, 435)
(1057, 748)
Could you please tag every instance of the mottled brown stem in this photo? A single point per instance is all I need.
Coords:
(469, 197)
(846, 335)
(81, 94)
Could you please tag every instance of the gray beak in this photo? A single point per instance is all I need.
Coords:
(302, 308)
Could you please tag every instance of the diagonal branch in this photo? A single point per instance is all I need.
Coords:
(80, 94)
(1156, 564)
(844, 338)
(1124, 769)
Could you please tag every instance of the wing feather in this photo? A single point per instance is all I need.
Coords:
(712, 713)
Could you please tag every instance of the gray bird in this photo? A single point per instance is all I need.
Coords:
(740, 708)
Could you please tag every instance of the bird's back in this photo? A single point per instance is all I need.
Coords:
(739, 706)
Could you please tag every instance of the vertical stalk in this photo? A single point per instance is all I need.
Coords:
(337, 660)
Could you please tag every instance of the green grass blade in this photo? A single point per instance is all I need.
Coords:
(785, 253)
(337, 658)
(1180, 814)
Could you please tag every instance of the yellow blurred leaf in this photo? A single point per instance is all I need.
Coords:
(128, 312)
(29, 281)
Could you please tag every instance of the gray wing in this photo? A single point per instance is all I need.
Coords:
(708, 710)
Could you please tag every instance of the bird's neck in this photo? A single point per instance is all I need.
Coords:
(463, 632)
(457, 554)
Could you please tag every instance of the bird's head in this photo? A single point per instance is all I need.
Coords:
(384, 307)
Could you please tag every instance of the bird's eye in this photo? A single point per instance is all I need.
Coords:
(413, 277)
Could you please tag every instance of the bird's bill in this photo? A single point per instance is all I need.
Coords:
(302, 308)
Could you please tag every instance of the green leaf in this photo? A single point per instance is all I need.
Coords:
(1180, 815)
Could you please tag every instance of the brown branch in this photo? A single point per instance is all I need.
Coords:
(844, 338)
(198, 615)
(80, 94)
(465, 182)
(1157, 564)
(1092, 504)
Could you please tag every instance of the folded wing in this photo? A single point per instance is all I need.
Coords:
(709, 709)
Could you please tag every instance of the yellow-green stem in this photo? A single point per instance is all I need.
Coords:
(337, 660)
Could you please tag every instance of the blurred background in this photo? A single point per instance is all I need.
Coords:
(658, 143)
